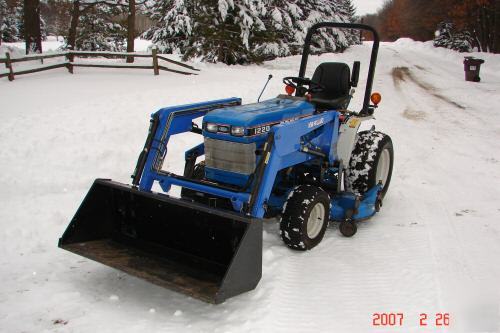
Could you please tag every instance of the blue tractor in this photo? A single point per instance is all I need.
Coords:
(298, 157)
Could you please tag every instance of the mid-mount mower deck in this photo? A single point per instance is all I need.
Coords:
(299, 158)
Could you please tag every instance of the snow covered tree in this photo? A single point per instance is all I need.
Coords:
(105, 14)
(284, 28)
(173, 25)
(97, 32)
(288, 21)
(443, 35)
(214, 30)
(9, 31)
(292, 19)
(350, 10)
(447, 37)
(226, 31)
(352, 35)
(78, 8)
(119, 7)
(243, 31)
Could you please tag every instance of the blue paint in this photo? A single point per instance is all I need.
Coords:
(273, 110)
(293, 124)
(345, 201)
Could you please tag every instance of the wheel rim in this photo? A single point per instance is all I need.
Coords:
(316, 220)
(383, 166)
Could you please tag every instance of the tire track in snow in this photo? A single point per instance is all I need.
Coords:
(468, 122)
(403, 74)
(448, 76)
(406, 84)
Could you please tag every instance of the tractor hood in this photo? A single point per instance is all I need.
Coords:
(257, 118)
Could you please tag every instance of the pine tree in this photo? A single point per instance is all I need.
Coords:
(225, 31)
(352, 35)
(9, 31)
(443, 35)
(214, 30)
(173, 25)
(326, 40)
(447, 37)
(288, 21)
(243, 31)
(351, 11)
(283, 25)
(294, 18)
(97, 32)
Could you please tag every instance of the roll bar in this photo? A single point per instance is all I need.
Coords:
(373, 59)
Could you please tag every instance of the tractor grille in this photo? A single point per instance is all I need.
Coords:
(230, 156)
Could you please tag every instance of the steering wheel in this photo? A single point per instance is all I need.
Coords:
(295, 81)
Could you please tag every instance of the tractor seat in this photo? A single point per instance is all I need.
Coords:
(336, 78)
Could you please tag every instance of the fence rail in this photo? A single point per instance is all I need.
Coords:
(70, 63)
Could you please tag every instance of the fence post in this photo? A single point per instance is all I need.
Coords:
(8, 64)
(69, 66)
(154, 51)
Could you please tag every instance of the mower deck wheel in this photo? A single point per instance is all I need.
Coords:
(348, 228)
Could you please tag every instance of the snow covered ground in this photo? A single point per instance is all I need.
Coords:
(434, 247)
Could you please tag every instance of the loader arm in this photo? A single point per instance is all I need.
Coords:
(165, 123)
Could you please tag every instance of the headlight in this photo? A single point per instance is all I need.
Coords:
(237, 130)
(210, 127)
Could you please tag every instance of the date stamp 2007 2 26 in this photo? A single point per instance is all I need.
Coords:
(398, 319)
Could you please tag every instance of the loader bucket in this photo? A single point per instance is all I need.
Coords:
(207, 253)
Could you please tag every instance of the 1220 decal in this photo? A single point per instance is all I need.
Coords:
(398, 319)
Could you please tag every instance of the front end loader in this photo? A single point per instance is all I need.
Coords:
(298, 157)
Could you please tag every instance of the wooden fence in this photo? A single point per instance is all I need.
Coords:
(69, 63)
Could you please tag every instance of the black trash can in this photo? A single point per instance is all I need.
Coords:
(472, 67)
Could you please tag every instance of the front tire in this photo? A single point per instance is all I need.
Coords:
(305, 217)
(371, 162)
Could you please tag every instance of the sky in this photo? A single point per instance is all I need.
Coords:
(367, 6)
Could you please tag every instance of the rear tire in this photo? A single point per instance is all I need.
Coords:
(305, 217)
(372, 161)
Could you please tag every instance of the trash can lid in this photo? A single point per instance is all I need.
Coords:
(473, 60)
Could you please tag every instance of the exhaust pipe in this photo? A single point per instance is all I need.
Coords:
(207, 253)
